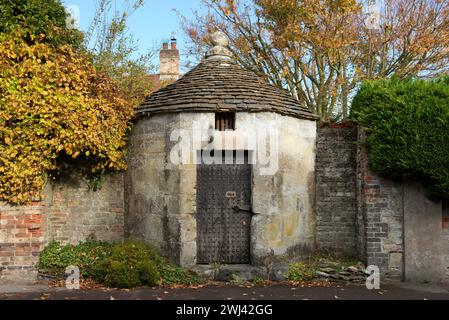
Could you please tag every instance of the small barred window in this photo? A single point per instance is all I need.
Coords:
(225, 121)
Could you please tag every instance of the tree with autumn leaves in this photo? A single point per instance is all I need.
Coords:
(322, 50)
(54, 107)
(61, 103)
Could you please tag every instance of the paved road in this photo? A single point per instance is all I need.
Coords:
(230, 292)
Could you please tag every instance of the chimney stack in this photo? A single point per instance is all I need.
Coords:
(169, 61)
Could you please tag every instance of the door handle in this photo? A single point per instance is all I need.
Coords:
(237, 208)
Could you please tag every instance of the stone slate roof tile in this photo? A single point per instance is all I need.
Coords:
(218, 85)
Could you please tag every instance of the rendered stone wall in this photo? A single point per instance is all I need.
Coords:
(336, 196)
(161, 196)
(283, 225)
(424, 259)
(153, 185)
(400, 228)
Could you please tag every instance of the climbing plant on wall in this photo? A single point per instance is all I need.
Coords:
(54, 107)
(407, 125)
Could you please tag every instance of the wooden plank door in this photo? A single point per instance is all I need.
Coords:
(224, 213)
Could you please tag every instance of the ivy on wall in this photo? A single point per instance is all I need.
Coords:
(407, 125)
(54, 107)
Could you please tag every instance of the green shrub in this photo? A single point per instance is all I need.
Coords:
(299, 271)
(407, 125)
(131, 264)
(54, 259)
(124, 274)
(122, 265)
(118, 275)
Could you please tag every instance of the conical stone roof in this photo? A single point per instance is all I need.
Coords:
(218, 84)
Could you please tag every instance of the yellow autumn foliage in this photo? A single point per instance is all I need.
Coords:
(54, 107)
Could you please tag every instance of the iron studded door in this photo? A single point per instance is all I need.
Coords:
(223, 213)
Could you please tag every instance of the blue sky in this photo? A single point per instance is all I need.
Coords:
(151, 24)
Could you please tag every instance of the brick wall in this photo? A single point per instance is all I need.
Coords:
(380, 217)
(336, 190)
(22, 237)
(358, 212)
(399, 227)
(68, 212)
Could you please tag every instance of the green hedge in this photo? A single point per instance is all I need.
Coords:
(407, 125)
(121, 265)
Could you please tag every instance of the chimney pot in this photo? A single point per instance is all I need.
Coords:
(165, 46)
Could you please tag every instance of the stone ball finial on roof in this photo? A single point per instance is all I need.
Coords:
(220, 39)
(219, 51)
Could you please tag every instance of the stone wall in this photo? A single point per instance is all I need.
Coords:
(358, 212)
(332, 201)
(336, 195)
(391, 224)
(423, 237)
(68, 213)
(161, 196)
(76, 214)
(400, 228)
(152, 188)
(379, 219)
